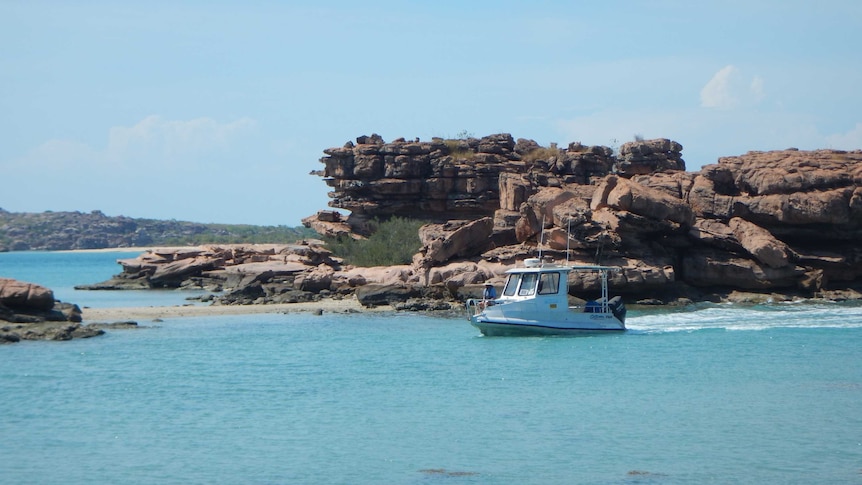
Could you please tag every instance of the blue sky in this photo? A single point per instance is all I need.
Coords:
(217, 111)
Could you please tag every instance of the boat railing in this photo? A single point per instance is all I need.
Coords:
(475, 306)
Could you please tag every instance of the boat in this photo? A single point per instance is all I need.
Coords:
(534, 301)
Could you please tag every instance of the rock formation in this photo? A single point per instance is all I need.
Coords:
(29, 312)
(784, 222)
(767, 221)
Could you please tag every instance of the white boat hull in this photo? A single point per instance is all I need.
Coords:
(588, 324)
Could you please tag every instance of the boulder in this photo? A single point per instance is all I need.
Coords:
(624, 195)
(371, 295)
(514, 190)
(330, 224)
(442, 242)
(714, 233)
(31, 313)
(25, 296)
(760, 243)
(172, 274)
(319, 278)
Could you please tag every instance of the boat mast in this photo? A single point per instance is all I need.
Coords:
(541, 239)
(604, 274)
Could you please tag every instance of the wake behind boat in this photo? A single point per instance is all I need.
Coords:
(535, 302)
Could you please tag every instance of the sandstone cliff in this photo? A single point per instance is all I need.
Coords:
(780, 224)
(783, 221)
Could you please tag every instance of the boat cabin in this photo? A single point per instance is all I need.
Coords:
(535, 300)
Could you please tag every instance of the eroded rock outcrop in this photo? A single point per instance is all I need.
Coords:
(783, 220)
(787, 209)
(442, 180)
(650, 156)
(29, 312)
(786, 221)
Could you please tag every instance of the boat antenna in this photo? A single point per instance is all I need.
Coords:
(568, 238)
(599, 248)
(542, 238)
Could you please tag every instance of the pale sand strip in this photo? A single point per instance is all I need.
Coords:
(143, 314)
(133, 250)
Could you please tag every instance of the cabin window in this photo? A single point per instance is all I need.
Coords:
(549, 283)
(512, 285)
(528, 284)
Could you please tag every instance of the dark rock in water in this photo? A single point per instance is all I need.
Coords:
(423, 305)
(115, 325)
(46, 330)
(372, 295)
(650, 301)
(31, 313)
(6, 337)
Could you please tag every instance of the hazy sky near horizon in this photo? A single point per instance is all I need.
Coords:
(217, 111)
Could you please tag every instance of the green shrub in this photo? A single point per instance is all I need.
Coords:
(392, 242)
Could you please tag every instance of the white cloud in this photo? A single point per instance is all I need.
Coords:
(718, 92)
(728, 90)
(154, 139)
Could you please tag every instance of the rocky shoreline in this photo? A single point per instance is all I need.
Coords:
(764, 226)
(29, 312)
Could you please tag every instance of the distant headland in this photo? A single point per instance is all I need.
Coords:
(60, 231)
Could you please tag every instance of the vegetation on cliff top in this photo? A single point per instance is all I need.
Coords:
(54, 231)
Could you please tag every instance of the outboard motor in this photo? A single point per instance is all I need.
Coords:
(618, 308)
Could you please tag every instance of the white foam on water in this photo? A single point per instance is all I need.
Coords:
(760, 317)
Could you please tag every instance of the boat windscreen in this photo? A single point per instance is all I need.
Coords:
(528, 284)
(512, 284)
(549, 283)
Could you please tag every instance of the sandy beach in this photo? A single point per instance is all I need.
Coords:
(143, 314)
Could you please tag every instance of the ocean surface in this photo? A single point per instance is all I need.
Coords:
(712, 394)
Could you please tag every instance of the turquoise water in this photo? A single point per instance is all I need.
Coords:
(768, 394)
(62, 271)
